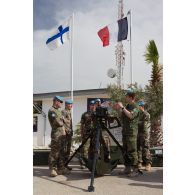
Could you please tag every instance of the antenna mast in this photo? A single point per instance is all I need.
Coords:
(119, 52)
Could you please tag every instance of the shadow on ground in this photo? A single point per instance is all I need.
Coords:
(155, 176)
(43, 173)
(146, 185)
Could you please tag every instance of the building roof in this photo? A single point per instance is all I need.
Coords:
(39, 96)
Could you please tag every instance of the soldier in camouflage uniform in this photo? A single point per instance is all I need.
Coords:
(104, 136)
(86, 129)
(68, 127)
(143, 138)
(129, 119)
(56, 156)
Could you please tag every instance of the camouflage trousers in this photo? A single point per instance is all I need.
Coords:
(104, 142)
(56, 156)
(68, 145)
(130, 149)
(143, 147)
(85, 151)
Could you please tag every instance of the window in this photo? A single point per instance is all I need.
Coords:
(35, 123)
(37, 107)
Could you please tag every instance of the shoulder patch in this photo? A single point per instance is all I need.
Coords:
(53, 114)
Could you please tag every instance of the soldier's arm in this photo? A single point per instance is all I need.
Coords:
(127, 113)
(82, 125)
(57, 121)
(146, 116)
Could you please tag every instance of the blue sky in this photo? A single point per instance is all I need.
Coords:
(51, 69)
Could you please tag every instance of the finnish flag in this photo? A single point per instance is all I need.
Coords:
(59, 36)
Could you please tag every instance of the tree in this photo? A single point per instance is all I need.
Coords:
(116, 94)
(77, 135)
(154, 94)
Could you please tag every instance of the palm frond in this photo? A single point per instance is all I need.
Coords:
(151, 55)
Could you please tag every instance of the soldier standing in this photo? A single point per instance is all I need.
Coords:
(130, 118)
(68, 127)
(56, 156)
(104, 136)
(143, 144)
(87, 128)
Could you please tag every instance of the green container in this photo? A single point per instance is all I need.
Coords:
(40, 156)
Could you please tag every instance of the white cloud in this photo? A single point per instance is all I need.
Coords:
(91, 60)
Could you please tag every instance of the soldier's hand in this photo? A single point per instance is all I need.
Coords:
(119, 105)
(62, 118)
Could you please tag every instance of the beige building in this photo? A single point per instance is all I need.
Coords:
(43, 101)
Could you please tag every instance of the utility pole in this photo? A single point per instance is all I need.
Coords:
(119, 52)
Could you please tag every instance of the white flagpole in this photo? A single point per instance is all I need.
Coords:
(131, 65)
(72, 36)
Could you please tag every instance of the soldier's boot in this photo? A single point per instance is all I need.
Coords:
(82, 166)
(125, 171)
(53, 173)
(134, 172)
(64, 171)
(139, 165)
(107, 158)
(69, 168)
(148, 167)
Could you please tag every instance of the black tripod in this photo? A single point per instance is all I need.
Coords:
(99, 125)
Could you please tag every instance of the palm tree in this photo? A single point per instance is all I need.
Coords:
(154, 94)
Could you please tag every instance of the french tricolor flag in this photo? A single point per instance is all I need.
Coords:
(115, 32)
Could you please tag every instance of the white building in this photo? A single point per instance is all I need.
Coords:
(43, 102)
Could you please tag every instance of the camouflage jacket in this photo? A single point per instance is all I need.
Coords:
(144, 121)
(67, 121)
(56, 120)
(129, 126)
(86, 122)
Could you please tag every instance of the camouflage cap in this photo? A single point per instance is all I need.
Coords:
(69, 101)
(58, 98)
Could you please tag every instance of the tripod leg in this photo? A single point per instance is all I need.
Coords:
(91, 187)
(67, 162)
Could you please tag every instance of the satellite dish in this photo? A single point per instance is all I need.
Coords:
(111, 73)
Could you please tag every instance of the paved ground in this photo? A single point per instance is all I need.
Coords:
(78, 181)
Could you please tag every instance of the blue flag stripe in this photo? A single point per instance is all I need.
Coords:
(58, 35)
(123, 29)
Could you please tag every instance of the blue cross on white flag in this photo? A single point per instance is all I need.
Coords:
(61, 35)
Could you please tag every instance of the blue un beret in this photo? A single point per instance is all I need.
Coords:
(58, 98)
(92, 102)
(97, 100)
(69, 101)
(130, 91)
(141, 103)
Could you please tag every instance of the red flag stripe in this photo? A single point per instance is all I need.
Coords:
(104, 36)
